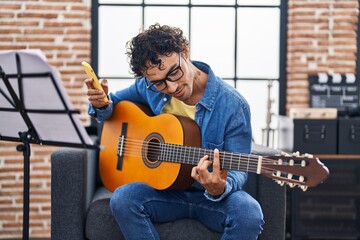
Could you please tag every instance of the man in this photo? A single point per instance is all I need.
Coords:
(169, 82)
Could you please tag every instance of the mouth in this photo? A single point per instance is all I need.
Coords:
(179, 92)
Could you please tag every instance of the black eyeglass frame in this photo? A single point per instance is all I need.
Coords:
(153, 84)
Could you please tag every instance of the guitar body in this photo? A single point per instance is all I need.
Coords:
(131, 140)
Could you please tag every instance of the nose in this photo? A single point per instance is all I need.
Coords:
(172, 86)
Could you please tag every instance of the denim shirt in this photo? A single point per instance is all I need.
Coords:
(222, 114)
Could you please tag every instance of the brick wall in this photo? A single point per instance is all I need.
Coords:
(61, 29)
(321, 38)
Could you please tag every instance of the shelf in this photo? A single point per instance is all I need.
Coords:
(337, 156)
(343, 194)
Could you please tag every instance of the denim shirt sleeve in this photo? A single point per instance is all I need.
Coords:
(234, 182)
(236, 140)
(137, 93)
(100, 114)
(223, 116)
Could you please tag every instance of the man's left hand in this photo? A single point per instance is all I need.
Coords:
(214, 182)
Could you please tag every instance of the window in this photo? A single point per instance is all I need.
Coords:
(240, 40)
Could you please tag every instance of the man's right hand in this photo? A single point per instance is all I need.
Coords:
(96, 96)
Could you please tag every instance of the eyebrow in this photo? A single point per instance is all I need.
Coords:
(171, 69)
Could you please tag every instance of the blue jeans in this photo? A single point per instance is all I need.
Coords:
(136, 206)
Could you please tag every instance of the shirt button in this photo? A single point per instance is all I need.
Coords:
(165, 99)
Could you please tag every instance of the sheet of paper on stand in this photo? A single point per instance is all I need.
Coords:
(38, 86)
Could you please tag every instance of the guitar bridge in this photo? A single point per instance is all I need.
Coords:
(121, 146)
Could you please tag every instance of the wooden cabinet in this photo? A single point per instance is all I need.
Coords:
(332, 209)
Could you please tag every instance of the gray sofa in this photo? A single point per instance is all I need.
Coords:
(80, 204)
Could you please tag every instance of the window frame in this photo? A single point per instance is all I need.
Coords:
(282, 40)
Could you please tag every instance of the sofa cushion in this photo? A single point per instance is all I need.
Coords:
(100, 224)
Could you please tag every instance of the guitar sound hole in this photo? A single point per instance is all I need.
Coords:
(154, 150)
(151, 150)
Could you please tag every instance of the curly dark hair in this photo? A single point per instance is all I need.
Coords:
(150, 44)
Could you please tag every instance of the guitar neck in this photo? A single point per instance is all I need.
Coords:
(191, 155)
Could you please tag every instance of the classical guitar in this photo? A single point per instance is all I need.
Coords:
(161, 150)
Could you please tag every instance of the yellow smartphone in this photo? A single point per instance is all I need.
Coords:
(91, 74)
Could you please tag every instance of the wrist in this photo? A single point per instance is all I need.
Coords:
(216, 194)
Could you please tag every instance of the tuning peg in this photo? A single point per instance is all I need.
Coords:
(280, 161)
(308, 155)
(303, 163)
(303, 187)
(284, 154)
(296, 154)
(301, 179)
(281, 183)
(291, 162)
(292, 185)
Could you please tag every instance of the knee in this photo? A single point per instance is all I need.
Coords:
(249, 214)
(125, 197)
(256, 216)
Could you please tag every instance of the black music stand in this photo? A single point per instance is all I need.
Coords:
(34, 108)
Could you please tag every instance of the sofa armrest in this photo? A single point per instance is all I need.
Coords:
(272, 198)
(73, 174)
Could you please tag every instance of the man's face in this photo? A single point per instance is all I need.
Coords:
(172, 77)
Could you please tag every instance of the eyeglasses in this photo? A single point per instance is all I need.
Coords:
(172, 76)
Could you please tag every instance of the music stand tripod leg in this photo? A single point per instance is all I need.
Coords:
(25, 148)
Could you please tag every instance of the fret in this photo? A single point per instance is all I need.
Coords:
(171, 152)
(239, 162)
(186, 160)
(176, 153)
(161, 152)
(199, 154)
(181, 154)
(208, 152)
(189, 155)
(247, 167)
(230, 160)
(165, 150)
(223, 160)
(193, 155)
(167, 155)
(184, 154)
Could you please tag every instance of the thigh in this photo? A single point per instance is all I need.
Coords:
(236, 208)
(158, 205)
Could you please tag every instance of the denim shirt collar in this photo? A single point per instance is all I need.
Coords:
(212, 86)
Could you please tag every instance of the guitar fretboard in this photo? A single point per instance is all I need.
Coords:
(191, 155)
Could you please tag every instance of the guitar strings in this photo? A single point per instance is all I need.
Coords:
(251, 168)
(155, 147)
(251, 161)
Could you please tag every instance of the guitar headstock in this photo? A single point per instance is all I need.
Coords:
(295, 170)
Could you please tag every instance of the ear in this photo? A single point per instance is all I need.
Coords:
(186, 52)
